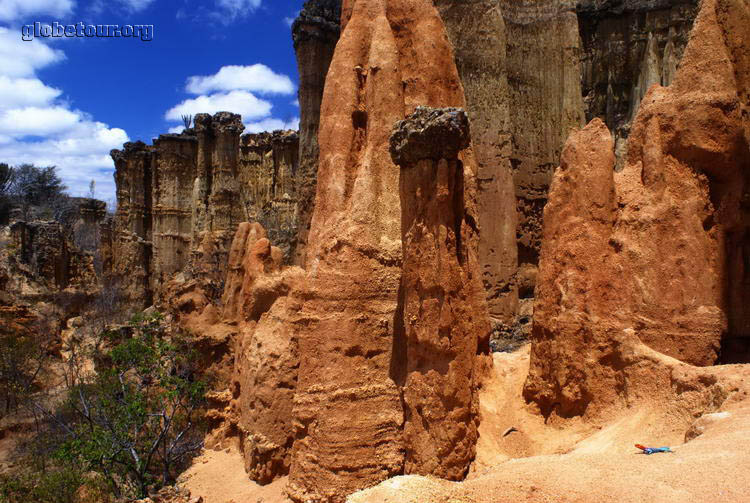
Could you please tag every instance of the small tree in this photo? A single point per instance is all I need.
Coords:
(42, 188)
(136, 420)
(187, 121)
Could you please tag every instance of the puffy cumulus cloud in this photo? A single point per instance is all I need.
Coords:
(36, 121)
(255, 78)
(37, 127)
(239, 102)
(271, 124)
(176, 129)
(80, 152)
(233, 87)
(14, 10)
(22, 59)
(25, 92)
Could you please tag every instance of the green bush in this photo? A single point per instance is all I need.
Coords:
(137, 420)
(59, 486)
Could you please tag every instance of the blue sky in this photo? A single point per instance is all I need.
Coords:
(69, 101)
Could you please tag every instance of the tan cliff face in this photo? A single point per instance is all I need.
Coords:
(315, 33)
(651, 251)
(478, 34)
(269, 170)
(180, 202)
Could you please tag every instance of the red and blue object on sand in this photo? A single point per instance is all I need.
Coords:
(652, 450)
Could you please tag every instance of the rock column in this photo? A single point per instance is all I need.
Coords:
(445, 314)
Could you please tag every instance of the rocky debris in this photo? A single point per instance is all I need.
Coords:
(268, 172)
(478, 35)
(444, 308)
(348, 409)
(603, 277)
(315, 32)
(171, 494)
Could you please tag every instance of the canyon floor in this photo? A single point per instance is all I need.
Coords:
(522, 458)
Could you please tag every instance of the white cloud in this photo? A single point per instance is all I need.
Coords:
(80, 152)
(25, 92)
(13, 10)
(36, 121)
(239, 102)
(255, 78)
(22, 59)
(37, 127)
(289, 21)
(271, 124)
(136, 5)
(236, 8)
(176, 129)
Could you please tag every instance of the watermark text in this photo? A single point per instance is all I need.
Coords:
(80, 30)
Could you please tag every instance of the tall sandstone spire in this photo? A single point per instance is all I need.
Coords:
(393, 56)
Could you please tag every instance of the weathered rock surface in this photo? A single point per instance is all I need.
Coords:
(478, 35)
(257, 298)
(268, 173)
(131, 229)
(174, 170)
(315, 33)
(181, 200)
(444, 307)
(544, 78)
(626, 48)
(650, 251)
(392, 56)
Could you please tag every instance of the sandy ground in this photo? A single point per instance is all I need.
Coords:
(583, 463)
(219, 477)
(522, 459)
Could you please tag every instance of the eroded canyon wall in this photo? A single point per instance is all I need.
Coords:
(650, 251)
(315, 33)
(626, 48)
(269, 169)
(180, 201)
(478, 35)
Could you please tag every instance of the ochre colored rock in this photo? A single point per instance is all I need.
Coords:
(652, 250)
(392, 56)
(315, 33)
(266, 358)
(444, 308)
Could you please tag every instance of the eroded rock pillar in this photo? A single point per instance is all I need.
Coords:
(445, 313)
